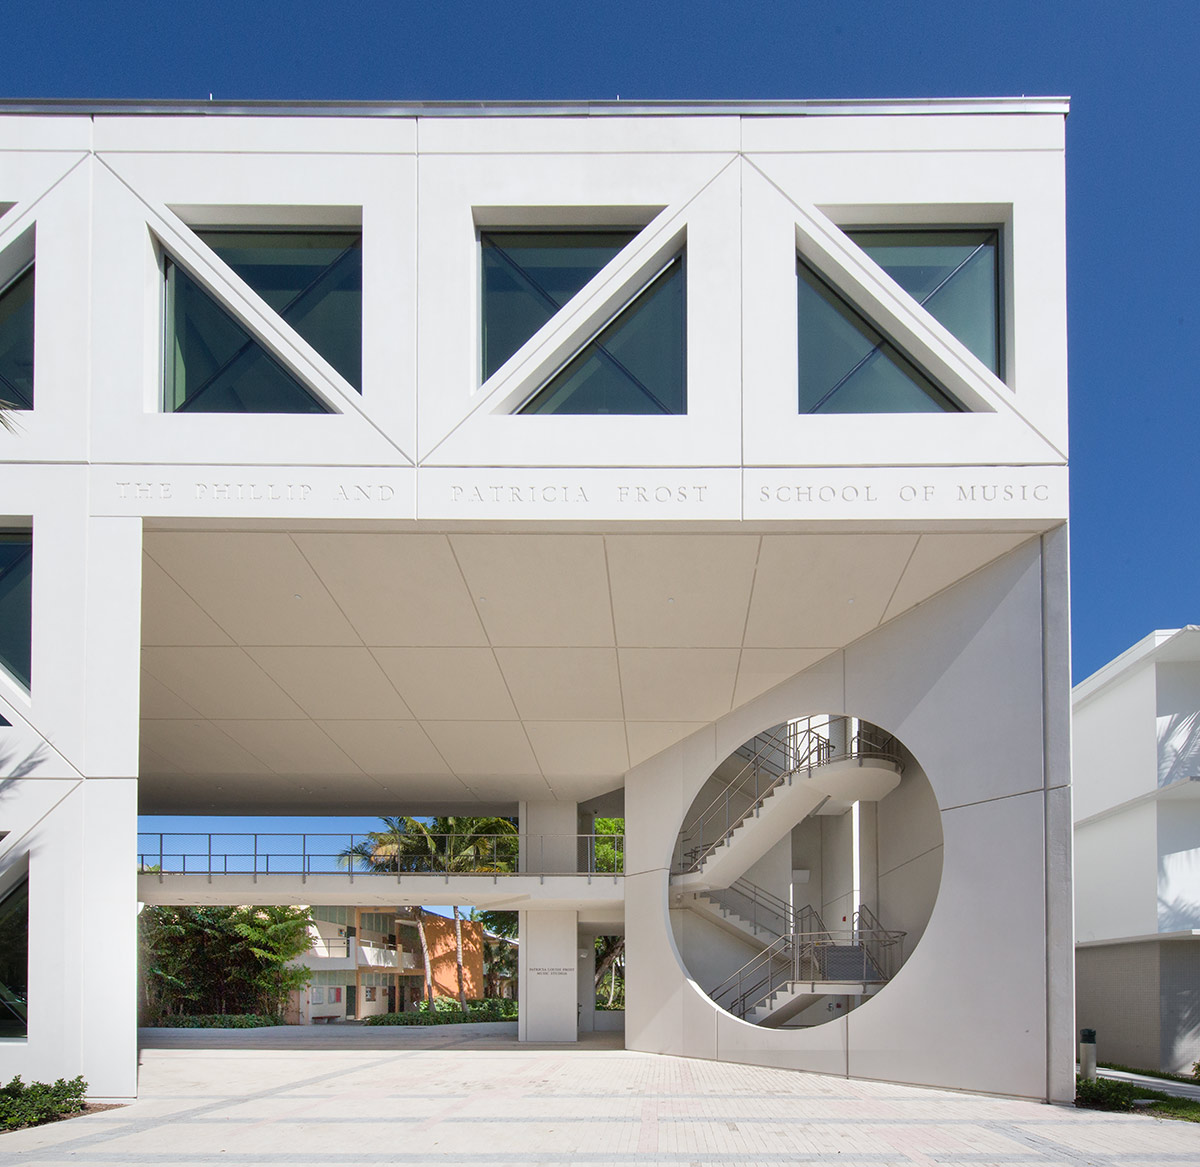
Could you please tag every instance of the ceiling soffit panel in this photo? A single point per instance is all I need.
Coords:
(463, 426)
(404, 590)
(777, 227)
(581, 673)
(373, 192)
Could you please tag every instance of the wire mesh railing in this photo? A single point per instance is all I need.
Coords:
(357, 855)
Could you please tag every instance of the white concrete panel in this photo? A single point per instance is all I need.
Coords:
(170, 615)
(562, 684)
(199, 747)
(647, 738)
(396, 589)
(289, 747)
(970, 705)
(571, 748)
(679, 590)
(387, 748)
(760, 669)
(251, 135)
(483, 748)
(979, 969)
(219, 682)
(661, 135)
(665, 684)
(257, 586)
(930, 133)
(332, 682)
(941, 560)
(445, 684)
(157, 701)
(823, 590)
(563, 575)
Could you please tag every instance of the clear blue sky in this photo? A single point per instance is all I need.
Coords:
(1133, 170)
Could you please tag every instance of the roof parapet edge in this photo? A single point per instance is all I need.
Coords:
(135, 107)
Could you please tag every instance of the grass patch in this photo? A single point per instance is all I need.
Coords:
(1107, 1094)
(1148, 1073)
(24, 1105)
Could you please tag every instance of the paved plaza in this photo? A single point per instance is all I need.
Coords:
(471, 1095)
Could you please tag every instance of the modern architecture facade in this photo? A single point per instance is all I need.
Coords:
(1137, 853)
(698, 465)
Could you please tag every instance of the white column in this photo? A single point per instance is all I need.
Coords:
(548, 991)
(549, 837)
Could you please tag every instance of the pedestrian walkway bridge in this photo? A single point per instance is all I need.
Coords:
(498, 871)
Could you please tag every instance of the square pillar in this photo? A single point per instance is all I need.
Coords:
(548, 987)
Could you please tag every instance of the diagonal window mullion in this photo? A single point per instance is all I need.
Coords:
(251, 346)
(604, 353)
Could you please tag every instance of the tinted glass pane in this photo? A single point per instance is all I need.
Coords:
(14, 962)
(529, 275)
(213, 365)
(16, 603)
(954, 275)
(312, 279)
(16, 342)
(637, 364)
(846, 366)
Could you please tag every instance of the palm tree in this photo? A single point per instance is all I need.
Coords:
(447, 844)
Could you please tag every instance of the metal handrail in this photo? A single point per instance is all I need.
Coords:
(857, 955)
(761, 909)
(804, 750)
(356, 855)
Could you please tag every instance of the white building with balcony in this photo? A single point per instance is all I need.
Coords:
(1137, 853)
(703, 465)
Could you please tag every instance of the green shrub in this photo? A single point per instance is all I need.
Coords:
(494, 1010)
(22, 1105)
(218, 1021)
(1104, 1094)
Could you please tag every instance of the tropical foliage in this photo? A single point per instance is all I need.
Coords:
(220, 960)
(610, 950)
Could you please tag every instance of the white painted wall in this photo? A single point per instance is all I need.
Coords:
(1113, 743)
(971, 657)
(1177, 687)
(1178, 828)
(1116, 875)
(909, 855)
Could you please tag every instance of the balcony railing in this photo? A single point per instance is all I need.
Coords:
(358, 856)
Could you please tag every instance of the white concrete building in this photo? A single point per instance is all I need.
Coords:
(700, 464)
(1137, 853)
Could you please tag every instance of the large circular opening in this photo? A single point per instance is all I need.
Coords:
(806, 871)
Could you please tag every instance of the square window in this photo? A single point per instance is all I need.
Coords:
(953, 273)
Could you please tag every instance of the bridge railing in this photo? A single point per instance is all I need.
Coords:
(364, 855)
